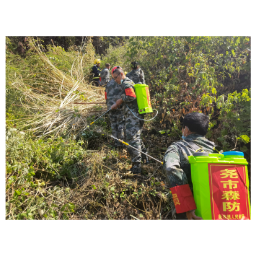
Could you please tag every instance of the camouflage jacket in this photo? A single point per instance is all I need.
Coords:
(113, 92)
(136, 76)
(104, 76)
(128, 94)
(176, 165)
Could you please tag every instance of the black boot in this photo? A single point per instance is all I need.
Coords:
(144, 157)
(136, 168)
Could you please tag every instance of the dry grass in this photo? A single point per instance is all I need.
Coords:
(53, 110)
(110, 191)
(102, 188)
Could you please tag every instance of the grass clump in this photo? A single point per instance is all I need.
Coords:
(48, 95)
(57, 178)
(110, 192)
(33, 166)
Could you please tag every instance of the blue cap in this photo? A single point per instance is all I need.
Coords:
(233, 153)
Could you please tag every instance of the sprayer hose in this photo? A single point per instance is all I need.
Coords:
(144, 119)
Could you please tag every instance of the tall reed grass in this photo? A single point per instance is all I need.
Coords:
(54, 109)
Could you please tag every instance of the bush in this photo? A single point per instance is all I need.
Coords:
(30, 165)
(186, 74)
(235, 120)
(115, 56)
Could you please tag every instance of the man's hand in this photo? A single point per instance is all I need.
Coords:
(114, 106)
(117, 104)
(191, 215)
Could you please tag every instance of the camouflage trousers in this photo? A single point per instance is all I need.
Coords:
(117, 125)
(133, 128)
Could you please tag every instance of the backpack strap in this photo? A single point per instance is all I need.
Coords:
(192, 144)
(200, 148)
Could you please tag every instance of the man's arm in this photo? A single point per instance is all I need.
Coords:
(107, 76)
(103, 77)
(177, 180)
(94, 70)
(129, 75)
(98, 71)
(175, 175)
(103, 74)
(128, 94)
(142, 78)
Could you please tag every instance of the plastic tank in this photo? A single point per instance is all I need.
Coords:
(220, 185)
(143, 98)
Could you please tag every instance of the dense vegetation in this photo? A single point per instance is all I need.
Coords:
(65, 176)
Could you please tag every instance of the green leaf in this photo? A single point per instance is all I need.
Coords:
(244, 138)
(17, 192)
(71, 207)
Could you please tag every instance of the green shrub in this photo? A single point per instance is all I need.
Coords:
(115, 56)
(235, 120)
(186, 74)
(30, 165)
(52, 158)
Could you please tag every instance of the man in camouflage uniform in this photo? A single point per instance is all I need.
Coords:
(112, 94)
(176, 165)
(105, 76)
(136, 75)
(133, 125)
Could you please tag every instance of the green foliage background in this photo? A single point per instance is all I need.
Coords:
(184, 74)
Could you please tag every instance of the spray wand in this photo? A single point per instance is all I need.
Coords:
(127, 144)
(96, 119)
(99, 117)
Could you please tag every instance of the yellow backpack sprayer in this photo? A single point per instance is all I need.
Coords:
(143, 98)
(221, 185)
(143, 101)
